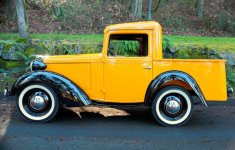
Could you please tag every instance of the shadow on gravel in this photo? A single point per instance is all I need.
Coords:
(142, 116)
(68, 123)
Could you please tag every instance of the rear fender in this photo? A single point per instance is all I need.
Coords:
(163, 78)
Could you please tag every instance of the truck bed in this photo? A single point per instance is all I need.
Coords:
(205, 72)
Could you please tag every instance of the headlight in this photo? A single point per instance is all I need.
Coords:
(38, 65)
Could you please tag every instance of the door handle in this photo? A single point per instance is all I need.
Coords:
(148, 67)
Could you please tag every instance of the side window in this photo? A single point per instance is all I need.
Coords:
(128, 45)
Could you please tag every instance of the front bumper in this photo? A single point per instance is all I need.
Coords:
(229, 91)
(6, 91)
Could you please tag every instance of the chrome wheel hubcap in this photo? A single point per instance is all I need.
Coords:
(38, 101)
(173, 105)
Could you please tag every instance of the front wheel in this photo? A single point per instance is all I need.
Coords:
(172, 106)
(38, 103)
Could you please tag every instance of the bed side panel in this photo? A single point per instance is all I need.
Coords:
(209, 74)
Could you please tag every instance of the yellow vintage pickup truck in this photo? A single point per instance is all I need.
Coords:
(130, 70)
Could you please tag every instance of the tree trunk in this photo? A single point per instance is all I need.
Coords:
(150, 10)
(136, 8)
(22, 19)
(200, 8)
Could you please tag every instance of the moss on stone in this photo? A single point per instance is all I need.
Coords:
(3, 64)
(12, 64)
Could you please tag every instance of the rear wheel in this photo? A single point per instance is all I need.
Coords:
(38, 103)
(172, 106)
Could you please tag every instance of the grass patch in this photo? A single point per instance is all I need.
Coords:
(84, 38)
(218, 43)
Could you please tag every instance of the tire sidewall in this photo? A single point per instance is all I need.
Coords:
(157, 100)
(55, 101)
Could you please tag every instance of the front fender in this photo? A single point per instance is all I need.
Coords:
(170, 76)
(69, 92)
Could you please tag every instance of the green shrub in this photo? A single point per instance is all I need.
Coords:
(2, 64)
(20, 40)
(183, 54)
(11, 64)
(124, 47)
(166, 44)
(230, 75)
(26, 60)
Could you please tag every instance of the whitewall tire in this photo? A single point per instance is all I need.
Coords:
(172, 106)
(38, 103)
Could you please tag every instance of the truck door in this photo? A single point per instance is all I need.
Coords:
(127, 66)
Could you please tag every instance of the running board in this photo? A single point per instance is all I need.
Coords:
(116, 104)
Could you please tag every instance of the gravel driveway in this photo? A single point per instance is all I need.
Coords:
(118, 128)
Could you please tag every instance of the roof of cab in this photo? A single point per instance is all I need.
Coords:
(134, 25)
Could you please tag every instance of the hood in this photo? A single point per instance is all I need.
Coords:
(70, 58)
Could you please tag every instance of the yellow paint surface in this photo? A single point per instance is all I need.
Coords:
(125, 79)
